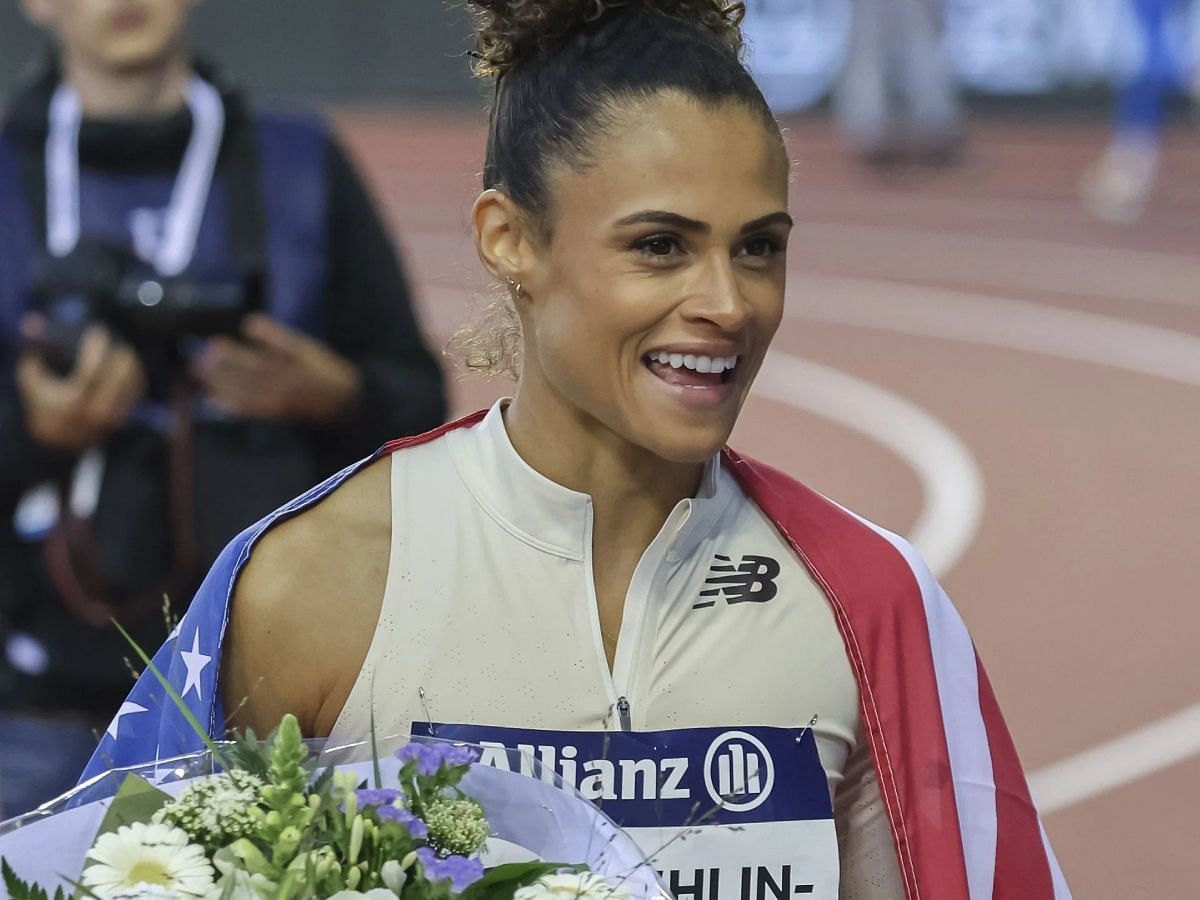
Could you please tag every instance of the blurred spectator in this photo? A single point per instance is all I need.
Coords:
(1117, 186)
(896, 99)
(201, 315)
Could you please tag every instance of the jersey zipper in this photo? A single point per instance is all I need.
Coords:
(620, 680)
(610, 686)
(623, 714)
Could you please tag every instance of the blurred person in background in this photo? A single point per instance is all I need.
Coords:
(201, 315)
(896, 99)
(1118, 185)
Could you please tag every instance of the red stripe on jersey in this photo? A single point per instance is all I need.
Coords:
(402, 443)
(881, 615)
(1022, 869)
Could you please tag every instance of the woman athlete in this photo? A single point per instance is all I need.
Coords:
(699, 643)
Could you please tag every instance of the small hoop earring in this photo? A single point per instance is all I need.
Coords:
(514, 287)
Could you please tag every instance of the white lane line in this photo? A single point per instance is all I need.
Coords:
(951, 481)
(1110, 765)
(999, 322)
(1005, 263)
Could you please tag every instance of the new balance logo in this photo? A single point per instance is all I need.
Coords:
(750, 581)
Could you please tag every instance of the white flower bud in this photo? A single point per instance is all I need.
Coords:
(393, 876)
(356, 839)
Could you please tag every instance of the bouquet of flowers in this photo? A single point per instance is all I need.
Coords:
(271, 826)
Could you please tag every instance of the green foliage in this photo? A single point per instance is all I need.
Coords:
(21, 890)
(375, 747)
(298, 838)
(249, 753)
(289, 811)
(137, 800)
(287, 773)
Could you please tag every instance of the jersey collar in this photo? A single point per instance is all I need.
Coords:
(549, 516)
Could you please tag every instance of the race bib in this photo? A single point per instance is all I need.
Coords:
(722, 813)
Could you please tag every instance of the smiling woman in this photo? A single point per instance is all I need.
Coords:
(668, 241)
(584, 572)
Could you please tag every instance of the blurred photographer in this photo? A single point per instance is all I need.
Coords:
(201, 315)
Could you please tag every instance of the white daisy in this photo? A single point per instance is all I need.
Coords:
(572, 886)
(139, 854)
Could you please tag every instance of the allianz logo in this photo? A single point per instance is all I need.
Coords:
(739, 772)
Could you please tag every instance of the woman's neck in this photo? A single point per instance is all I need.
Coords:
(632, 490)
(141, 93)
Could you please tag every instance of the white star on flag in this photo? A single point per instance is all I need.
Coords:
(195, 661)
(126, 709)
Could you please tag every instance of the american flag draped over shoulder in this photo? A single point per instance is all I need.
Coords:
(149, 726)
(964, 825)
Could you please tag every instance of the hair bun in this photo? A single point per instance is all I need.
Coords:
(510, 32)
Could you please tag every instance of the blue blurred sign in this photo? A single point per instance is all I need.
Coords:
(797, 47)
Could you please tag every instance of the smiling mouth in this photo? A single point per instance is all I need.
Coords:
(689, 370)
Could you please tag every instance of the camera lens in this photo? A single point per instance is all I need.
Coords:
(150, 293)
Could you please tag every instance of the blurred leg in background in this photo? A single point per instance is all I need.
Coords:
(896, 100)
(1117, 187)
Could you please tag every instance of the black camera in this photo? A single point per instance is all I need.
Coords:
(101, 283)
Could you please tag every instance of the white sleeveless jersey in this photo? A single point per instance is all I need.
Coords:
(489, 616)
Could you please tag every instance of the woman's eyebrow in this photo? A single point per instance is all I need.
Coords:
(683, 223)
(775, 218)
(662, 217)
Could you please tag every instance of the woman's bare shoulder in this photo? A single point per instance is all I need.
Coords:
(306, 606)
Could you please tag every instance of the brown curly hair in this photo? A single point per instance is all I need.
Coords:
(508, 32)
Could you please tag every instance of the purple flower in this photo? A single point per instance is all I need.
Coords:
(414, 825)
(461, 871)
(431, 757)
(379, 796)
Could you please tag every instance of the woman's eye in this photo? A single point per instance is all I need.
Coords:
(761, 246)
(659, 245)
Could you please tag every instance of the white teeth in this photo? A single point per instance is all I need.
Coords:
(695, 362)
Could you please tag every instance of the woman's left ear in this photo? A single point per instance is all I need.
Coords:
(502, 238)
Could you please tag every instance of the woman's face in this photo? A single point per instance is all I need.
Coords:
(657, 294)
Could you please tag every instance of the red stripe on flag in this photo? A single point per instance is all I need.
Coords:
(881, 615)
(1022, 869)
